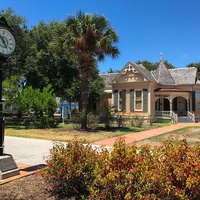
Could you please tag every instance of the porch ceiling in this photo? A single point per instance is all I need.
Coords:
(170, 90)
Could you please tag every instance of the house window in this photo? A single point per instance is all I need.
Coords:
(120, 100)
(138, 100)
(197, 101)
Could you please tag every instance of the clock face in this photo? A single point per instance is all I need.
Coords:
(7, 42)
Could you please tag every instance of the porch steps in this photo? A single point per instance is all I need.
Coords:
(184, 119)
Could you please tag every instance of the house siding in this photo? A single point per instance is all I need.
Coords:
(131, 99)
(145, 100)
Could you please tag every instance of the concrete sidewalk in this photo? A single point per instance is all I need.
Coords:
(28, 151)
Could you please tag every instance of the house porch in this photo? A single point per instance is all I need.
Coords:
(173, 103)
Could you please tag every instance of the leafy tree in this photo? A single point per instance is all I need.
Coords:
(47, 62)
(12, 94)
(27, 100)
(112, 71)
(92, 39)
(148, 65)
(167, 64)
(153, 66)
(197, 65)
(96, 87)
(43, 106)
(15, 63)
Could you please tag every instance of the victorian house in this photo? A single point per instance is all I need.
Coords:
(163, 93)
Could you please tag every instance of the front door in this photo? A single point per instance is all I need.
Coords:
(180, 106)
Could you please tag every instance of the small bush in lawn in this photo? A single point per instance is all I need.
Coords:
(76, 121)
(93, 121)
(138, 121)
(70, 169)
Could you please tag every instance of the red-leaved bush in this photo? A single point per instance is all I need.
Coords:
(70, 169)
(170, 171)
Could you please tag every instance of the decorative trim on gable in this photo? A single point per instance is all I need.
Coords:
(129, 69)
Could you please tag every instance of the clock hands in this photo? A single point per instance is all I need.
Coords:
(7, 42)
(3, 41)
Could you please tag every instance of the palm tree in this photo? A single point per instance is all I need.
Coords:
(93, 40)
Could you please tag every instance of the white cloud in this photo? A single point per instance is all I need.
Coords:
(185, 55)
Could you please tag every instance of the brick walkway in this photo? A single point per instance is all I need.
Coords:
(130, 138)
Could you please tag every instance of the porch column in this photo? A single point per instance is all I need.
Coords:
(170, 102)
(170, 106)
(188, 104)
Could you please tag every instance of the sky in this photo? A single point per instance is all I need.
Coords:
(145, 27)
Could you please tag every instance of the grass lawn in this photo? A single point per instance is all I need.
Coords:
(66, 132)
(191, 134)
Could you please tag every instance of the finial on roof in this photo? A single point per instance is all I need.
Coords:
(161, 59)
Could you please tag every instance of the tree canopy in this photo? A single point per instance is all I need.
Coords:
(153, 66)
(44, 55)
(91, 39)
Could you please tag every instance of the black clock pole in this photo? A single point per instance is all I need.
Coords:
(8, 166)
(1, 114)
(3, 23)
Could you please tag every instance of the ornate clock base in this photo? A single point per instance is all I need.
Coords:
(8, 167)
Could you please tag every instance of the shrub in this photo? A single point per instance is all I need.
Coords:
(138, 121)
(109, 115)
(151, 120)
(70, 169)
(92, 121)
(120, 121)
(169, 171)
(45, 122)
(76, 121)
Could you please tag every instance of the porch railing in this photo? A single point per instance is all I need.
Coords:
(171, 114)
(191, 116)
(174, 117)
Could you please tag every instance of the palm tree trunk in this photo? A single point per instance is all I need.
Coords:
(84, 98)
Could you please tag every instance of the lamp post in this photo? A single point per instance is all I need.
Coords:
(8, 166)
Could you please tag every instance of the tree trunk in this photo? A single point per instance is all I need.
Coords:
(84, 99)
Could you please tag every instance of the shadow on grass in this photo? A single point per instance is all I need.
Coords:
(120, 129)
(17, 125)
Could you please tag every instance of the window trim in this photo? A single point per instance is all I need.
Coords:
(135, 108)
(119, 100)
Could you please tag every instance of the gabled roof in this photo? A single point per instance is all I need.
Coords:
(108, 78)
(139, 68)
(162, 75)
(184, 75)
(143, 71)
(178, 76)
